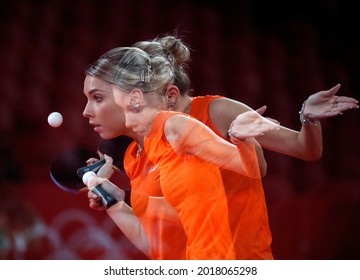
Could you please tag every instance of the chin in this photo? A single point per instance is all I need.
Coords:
(106, 136)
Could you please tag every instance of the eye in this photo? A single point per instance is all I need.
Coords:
(98, 98)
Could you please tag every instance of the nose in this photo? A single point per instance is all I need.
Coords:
(86, 113)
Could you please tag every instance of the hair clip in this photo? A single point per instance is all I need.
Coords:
(145, 77)
(142, 76)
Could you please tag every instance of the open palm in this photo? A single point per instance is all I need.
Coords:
(326, 104)
(251, 124)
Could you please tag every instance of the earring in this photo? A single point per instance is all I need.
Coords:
(135, 107)
(171, 106)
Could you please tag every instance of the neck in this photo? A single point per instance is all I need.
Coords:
(136, 137)
(183, 104)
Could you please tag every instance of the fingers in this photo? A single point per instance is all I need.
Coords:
(106, 171)
(344, 106)
(93, 196)
(109, 160)
(265, 124)
(101, 155)
(261, 110)
(330, 92)
(96, 206)
(251, 124)
(273, 120)
(334, 89)
(344, 103)
(95, 201)
(254, 130)
(91, 161)
(345, 99)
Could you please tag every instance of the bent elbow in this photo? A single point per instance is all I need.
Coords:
(315, 155)
(263, 170)
(263, 173)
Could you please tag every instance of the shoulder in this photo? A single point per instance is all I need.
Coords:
(224, 102)
(226, 107)
(176, 122)
(222, 111)
(175, 127)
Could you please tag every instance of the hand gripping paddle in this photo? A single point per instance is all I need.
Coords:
(68, 169)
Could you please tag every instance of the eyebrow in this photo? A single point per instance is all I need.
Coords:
(94, 90)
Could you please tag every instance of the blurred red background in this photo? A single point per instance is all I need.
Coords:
(273, 54)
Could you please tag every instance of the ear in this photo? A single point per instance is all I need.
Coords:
(136, 97)
(172, 95)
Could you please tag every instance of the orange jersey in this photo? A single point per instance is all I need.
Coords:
(246, 202)
(163, 228)
(189, 196)
(247, 205)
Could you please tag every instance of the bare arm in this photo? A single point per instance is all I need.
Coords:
(122, 215)
(248, 125)
(188, 135)
(305, 144)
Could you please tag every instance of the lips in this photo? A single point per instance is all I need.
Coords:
(96, 126)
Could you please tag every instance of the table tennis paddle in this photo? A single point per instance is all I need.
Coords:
(68, 169)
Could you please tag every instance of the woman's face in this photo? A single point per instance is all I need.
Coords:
(139, 119)
(107, 118)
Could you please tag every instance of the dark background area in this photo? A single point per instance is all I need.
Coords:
(270, 53)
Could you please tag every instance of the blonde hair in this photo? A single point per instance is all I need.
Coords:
(131, 67)
(176, 52)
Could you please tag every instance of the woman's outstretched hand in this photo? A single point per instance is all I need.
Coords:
(251, 124)
(325, 104)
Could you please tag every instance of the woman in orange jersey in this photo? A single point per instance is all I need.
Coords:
(185, 153)
(247, 203)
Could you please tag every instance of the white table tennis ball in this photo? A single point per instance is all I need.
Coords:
(87, 176)
(55, 119)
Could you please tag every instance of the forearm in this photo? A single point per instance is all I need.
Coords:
(305, 144)
(197, 139)
(128, 223)
(310, 139)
